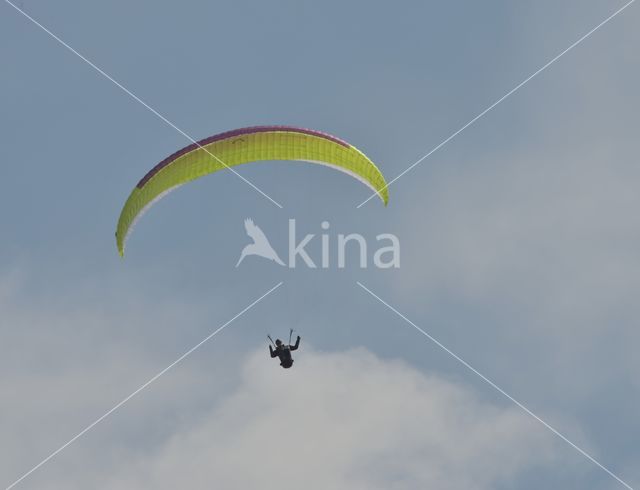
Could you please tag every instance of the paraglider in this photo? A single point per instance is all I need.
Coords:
(282, 351)
(240, 146)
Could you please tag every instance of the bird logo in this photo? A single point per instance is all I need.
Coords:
(260, 246)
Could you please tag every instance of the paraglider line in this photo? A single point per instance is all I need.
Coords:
(540, 70)
(182, 357)
(139, 100)
(496, 387)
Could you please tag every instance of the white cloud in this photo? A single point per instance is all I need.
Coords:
(66, 358)
(524, 245)
(346, 420)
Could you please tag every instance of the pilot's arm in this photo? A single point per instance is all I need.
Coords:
(294, 347)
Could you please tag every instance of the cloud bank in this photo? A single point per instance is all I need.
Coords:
(344, 420)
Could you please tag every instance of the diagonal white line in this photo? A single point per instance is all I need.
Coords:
(537, 72)
(139, 100)
(97, 421)
(493, 385)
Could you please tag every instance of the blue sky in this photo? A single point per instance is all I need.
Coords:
(519, 246)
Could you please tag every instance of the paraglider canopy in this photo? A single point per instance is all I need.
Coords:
(243, 146)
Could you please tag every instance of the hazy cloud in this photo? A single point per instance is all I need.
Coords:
(345, 420)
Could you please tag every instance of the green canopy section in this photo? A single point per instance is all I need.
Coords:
(240, 146)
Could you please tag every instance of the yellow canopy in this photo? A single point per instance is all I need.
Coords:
(243, 146)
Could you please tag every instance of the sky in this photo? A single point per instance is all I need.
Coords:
(520, 247)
